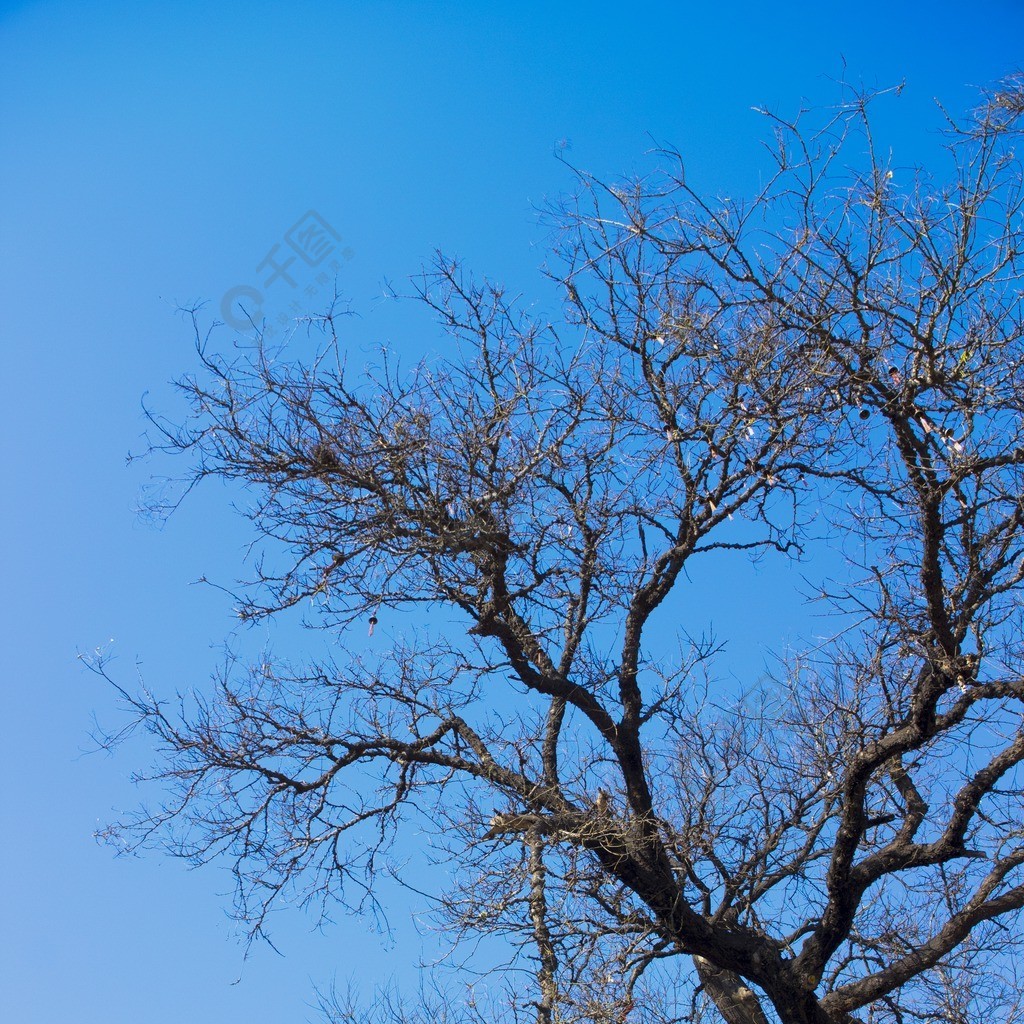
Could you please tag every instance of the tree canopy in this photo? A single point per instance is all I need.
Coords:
(836, 363)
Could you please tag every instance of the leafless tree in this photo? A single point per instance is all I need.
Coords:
(837, 363)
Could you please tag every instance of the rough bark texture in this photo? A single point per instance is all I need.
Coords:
(843, 358)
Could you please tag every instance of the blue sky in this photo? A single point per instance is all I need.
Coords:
(151, 156)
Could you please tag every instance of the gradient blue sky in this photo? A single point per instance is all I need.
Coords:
(151, 154)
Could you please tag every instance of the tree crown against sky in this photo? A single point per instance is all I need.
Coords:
(833, 363)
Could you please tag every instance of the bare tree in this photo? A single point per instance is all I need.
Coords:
(837, 363)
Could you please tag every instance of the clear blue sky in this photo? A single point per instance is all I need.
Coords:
(152, 155)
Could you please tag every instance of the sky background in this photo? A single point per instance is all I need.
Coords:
(152, 155)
